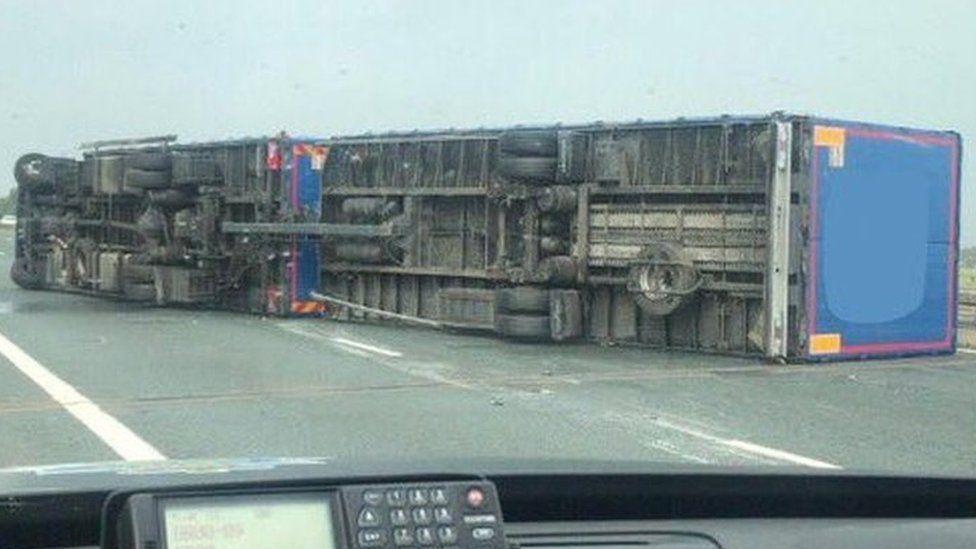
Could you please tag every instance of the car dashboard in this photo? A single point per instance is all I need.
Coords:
(487, 505)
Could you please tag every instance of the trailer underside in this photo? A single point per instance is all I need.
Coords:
(683, 234)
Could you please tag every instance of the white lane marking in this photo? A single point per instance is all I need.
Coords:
(966, 351)
(349, 345)
(324, 339)
(756, 449)
(779, 454)
(128, 445)
(351, 350)
(671, 448)
(430, 371)
(370, 348)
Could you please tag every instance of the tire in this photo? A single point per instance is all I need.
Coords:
(35, 171)
(150, 161)
(529, 167)
(23, 277)
(139, 291)
(557, 199)
(523, 299)
(529, 327)
(528, 143)
(170, 198)
(146, 179)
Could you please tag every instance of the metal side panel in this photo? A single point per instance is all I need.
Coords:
(778, 250)
(883, 242)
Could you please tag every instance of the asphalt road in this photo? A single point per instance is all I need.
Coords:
(194, 384)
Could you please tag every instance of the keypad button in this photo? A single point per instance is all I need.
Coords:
(402, 536)
(369, 517)
(417, 496)
(483, 533)
(480, 519)
(371, 538)
(422, 515)
(373, 497)
(443, 515)
(447, 534)
(396, 498)
(475, 497)
(438, 496)
(425, 536)
(399, 517)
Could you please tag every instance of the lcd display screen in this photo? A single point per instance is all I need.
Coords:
(296, 521)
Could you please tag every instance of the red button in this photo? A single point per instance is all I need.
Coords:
(475, 497)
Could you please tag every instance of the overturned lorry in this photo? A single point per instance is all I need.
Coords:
(789, 237)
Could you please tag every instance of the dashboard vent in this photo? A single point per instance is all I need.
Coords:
(572, 538)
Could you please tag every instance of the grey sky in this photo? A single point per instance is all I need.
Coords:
(73, 71)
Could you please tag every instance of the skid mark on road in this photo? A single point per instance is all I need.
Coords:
(122, 440)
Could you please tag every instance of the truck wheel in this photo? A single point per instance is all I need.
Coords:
(150, 161)
(530, 327)
(23, 277)
(35, 172)
(146, 179)
(528, 167)
(139, 291)
(528, 143)
(557, 199)
(31, 169)
(522, 299)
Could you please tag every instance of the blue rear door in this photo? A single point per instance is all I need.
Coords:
(883, 241)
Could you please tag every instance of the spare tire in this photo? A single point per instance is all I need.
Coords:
(528, 167)
(24, 277)
(528, 143)
(146, 179)
(522, 299)
(151, 161)
(529, 327)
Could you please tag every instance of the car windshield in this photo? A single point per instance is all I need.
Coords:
(731, 234)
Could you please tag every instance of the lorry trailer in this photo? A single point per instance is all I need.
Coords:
(782, 236)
